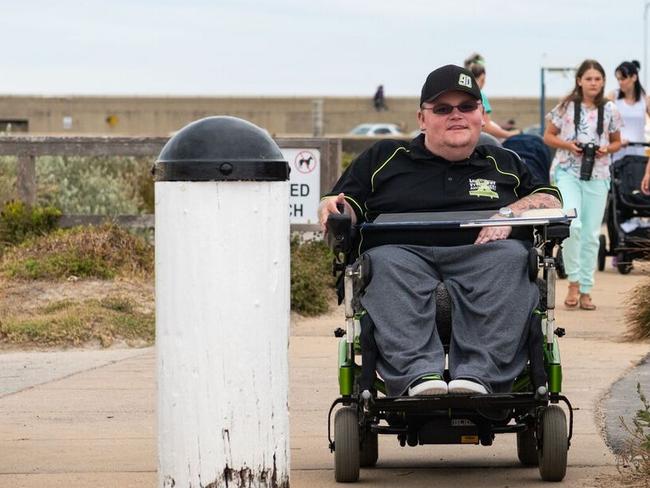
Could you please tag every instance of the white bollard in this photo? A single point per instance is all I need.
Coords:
(222, 307)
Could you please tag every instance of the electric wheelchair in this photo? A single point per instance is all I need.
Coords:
(531, 410)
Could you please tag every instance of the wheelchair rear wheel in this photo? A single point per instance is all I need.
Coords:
(554, 442)
(602, 252)
(346, 445)
(559, 264)
(527, 447)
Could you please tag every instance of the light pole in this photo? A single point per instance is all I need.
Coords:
(645, 42)
(542, 97)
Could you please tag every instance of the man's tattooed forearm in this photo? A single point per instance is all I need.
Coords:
(538, 200)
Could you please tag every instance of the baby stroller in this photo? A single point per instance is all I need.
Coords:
(627, 215)
(533, 152)
(531, 411)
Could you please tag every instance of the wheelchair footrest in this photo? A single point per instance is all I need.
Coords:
(426, 404)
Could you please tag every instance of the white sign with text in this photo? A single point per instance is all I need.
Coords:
(304, 185)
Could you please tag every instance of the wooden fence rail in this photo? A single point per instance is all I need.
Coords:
(27, 148)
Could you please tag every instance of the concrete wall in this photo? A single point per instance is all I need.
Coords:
(160, 116)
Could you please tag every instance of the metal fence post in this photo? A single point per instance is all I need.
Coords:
(26, 178)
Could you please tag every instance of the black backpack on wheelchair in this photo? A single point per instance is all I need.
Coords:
(531, 410)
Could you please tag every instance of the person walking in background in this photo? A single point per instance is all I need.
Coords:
(476, 64)
(632, 104)
(378, 100)
(585, 129)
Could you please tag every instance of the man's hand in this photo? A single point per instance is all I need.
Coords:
(328, 206)
(488, 234)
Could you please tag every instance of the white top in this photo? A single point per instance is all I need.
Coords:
(633, 128)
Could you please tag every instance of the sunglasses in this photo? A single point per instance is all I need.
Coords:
(446, 108)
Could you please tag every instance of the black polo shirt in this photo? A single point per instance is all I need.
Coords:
(400, 176)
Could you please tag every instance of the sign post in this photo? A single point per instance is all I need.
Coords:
(304, 186)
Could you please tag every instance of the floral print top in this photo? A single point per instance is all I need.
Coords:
(562, 118)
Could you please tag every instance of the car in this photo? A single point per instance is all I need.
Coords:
(379, 129)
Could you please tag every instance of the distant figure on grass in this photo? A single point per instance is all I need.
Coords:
(378, 100)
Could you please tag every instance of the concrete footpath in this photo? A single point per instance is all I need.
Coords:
(87, 418)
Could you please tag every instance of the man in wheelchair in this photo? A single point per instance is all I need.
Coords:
(486, 272)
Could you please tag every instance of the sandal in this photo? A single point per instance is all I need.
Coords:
(572, 298)
(586, 303)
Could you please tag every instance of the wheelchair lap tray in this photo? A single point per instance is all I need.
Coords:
(454, 228)
(468, 219)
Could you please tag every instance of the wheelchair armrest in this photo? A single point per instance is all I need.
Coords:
(339, 232)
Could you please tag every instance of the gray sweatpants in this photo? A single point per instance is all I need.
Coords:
(492, 302)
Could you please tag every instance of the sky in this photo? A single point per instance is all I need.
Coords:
(306, 47)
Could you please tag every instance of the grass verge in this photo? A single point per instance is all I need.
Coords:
(102, 252)
(73, 323)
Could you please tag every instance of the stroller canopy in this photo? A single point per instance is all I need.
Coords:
(533, 152)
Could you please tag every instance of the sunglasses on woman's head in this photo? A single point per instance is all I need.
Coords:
(446, 108)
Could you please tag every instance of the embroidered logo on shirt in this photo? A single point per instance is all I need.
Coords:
(483, 188)
(464, 80)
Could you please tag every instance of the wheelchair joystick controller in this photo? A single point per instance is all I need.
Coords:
(366, 396)
(339, 239)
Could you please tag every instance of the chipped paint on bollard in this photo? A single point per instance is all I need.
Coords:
(222, 315)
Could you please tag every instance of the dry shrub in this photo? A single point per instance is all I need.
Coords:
(637, 315)
(634, 464)
(103, 252)
(311, 277)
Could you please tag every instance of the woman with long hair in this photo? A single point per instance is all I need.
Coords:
(632, 104)
(585, 129)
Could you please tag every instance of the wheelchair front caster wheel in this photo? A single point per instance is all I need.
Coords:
(346, 445)
(553, 444)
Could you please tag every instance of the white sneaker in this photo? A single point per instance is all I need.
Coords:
(466, 387)
(428, 385)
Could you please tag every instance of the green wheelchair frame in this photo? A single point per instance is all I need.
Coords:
(540, 423)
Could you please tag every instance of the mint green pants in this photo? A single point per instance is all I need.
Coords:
(580, 250)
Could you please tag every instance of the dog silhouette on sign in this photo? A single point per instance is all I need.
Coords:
(305, 162)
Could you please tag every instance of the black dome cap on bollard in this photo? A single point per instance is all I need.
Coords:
(221, 148)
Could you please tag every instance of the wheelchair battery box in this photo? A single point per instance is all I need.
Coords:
(445, 430)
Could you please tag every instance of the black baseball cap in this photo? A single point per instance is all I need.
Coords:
(449, 78)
